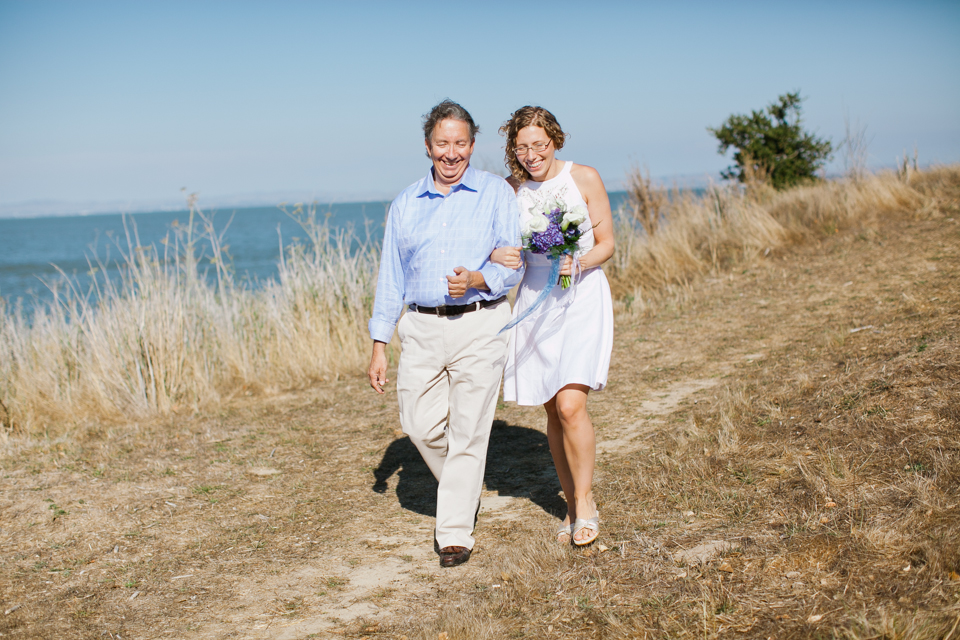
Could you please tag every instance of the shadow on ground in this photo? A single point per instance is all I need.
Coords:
(518, 465)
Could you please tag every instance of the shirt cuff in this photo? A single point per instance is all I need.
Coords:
(380, 330)
(494, 281)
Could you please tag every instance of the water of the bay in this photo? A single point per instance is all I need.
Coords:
(34, 251)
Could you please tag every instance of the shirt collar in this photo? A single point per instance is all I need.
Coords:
(468, 182)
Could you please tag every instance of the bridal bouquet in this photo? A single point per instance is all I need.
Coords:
(554, 231)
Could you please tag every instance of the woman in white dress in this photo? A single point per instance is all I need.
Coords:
(562, 350)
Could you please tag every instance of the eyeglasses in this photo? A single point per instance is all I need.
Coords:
(536, 146)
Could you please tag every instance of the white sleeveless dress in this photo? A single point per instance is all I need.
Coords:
(567, 340)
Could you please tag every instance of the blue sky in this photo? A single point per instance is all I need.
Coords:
(128, 102)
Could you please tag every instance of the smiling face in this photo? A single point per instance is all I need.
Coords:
(541, 165)
(450, 147)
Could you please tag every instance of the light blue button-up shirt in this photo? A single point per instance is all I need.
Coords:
(429, 234)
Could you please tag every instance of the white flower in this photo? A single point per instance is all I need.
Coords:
(574, 217)
(537, 223)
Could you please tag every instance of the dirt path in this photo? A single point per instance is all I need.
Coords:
(310, 515)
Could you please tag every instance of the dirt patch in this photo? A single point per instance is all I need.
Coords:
(636, 435)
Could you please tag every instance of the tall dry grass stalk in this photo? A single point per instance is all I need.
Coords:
(647, 201)
(162, 337)
(731, 224)
(855, 144)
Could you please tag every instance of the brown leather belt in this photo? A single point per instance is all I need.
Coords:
(456, 310)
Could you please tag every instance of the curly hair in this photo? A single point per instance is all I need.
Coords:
(528, 117)
(448, 109)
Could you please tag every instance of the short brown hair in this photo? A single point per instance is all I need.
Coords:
(528, 117)
(448, 110)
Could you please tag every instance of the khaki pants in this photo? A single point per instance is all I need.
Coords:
(447, 386)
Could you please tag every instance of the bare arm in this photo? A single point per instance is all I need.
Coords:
(598, 204)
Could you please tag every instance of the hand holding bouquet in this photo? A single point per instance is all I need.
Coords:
(554, 231)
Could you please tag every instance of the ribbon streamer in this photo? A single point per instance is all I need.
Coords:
(551, 283)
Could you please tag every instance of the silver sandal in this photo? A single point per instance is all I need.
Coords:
(591, 524)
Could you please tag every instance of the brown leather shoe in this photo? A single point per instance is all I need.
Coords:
(452, 556)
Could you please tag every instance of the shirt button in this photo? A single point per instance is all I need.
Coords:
(444, 224)
(442, 251)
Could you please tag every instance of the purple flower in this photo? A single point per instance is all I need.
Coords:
(545, 240)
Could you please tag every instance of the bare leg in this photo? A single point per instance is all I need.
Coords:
(573, 446)
(555, 439)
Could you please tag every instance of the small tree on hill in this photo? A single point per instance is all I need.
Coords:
(772, 145)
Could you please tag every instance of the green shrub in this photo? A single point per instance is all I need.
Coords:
(771, 146)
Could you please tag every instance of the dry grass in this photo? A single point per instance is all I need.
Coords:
(647, 202)
(778, 457)
(163, 338)
(730, 225)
